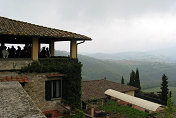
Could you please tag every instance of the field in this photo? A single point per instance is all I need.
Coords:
(156, 89)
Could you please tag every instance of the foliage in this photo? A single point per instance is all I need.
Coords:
(122, 80)
(164, 88)
(156, 89)
(48, 115)
(114, 69)
(137, 80)
(150, 96)
(134, 79)
(93, 101)
(66, 112)
(71, 81)
(113, 107)
(79, 114)
(169, 110)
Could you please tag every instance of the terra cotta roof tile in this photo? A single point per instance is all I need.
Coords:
(14, 78)
(94, 89)
(19, 28)
(55, 75)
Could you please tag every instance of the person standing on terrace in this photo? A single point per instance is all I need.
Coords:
(5, 52)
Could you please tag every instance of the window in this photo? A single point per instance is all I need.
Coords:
(53, 89)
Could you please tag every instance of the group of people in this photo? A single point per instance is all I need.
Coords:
(44, 53)
(15, 53)
(21, 53)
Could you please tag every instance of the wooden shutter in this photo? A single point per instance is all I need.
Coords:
(48, 90)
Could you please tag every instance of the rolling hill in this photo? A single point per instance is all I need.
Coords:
(114, 69)
(150, 72)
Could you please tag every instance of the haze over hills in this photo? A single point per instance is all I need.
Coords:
(150, 71)
(139, 56)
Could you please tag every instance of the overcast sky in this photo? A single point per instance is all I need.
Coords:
(114, 25)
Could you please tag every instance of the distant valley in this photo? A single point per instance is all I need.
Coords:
(150, 69)
(114, 69)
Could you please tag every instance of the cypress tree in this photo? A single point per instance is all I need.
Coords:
(164, 88)
(132, 79)
(122, 80)
(137, 80)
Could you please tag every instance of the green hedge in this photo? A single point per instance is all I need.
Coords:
(71, 81)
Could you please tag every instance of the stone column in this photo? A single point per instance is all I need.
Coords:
(102, 102)
(73, 49)
(92, 111)
(51, 48)
(35, 48)
(86, 106)
(38, 47)
(107, 116)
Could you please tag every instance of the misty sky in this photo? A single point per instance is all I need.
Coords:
(114, 25)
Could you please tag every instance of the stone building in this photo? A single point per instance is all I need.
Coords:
(36, 85)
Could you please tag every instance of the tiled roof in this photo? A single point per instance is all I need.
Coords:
(94, 89)
(14, 78)
(54, 75)
(19, 28)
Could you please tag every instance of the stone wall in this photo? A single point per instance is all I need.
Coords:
(36, 90)
(130, 93)
(13, 64)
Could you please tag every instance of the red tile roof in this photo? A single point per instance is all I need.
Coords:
(54, 75)
(14, 78)
(94, 89)
(19, 28)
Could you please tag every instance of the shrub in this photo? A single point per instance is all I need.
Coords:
(48, 115)
(113, 107)
(71, 81)
(79, 114)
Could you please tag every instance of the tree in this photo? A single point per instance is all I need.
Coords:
(169, 110)
(164, 88)
(122, 80)
(132, 79)
(137, 80)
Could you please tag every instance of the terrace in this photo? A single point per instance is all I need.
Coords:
(18, 32)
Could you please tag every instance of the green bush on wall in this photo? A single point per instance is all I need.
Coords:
(71, 81)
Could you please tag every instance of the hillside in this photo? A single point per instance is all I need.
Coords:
(150, 72)
(114, 69)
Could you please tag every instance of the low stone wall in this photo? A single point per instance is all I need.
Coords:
(13, 64)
